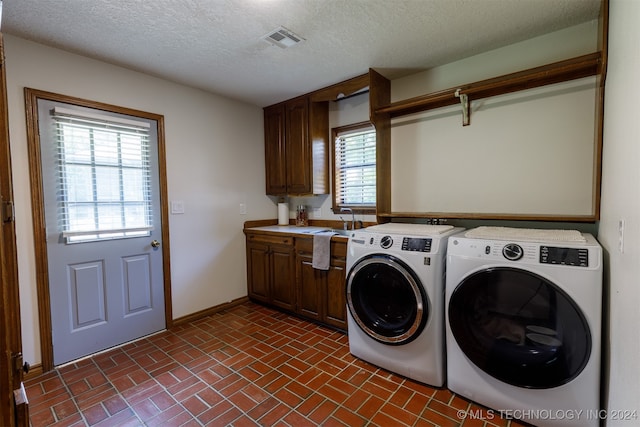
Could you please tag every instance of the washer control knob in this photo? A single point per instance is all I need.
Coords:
(512, 252)
(386, 242)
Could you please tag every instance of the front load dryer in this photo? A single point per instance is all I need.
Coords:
(395, 298)
(523, 323)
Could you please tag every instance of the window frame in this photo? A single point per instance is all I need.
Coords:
(335, 132)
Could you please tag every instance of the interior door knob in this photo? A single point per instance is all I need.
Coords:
(155, 244)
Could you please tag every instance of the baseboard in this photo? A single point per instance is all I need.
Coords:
(209, 311)
(34, 371)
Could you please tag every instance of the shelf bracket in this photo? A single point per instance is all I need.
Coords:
(464, 102)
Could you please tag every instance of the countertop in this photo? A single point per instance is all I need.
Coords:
(292, 229)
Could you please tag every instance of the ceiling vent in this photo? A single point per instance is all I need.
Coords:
(283, 38)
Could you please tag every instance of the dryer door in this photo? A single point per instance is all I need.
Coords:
(386, 299)
(519, 327)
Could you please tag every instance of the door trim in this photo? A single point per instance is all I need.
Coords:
(12, 413)
(37, 207)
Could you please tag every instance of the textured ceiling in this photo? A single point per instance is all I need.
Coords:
(216, 45)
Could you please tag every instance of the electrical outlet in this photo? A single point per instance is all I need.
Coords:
(317, 212)
(177, 207)
(243, 208)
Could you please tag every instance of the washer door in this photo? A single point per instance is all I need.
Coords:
(386, 299)
(519, 328)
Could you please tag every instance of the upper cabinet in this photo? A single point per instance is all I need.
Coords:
(297, 147)
(274, 150)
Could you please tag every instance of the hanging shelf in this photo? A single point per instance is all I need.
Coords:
(557, 72)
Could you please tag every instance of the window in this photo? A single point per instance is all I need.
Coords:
(354, 167)
(103, 176)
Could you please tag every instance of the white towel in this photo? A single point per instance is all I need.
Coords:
(322, 250)
(409, 228)
(526, 234)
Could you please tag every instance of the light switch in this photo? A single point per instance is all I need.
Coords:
(177, 207)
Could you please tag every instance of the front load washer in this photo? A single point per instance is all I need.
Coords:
(395, 298)
(523, 323)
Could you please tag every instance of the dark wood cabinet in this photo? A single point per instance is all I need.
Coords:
(321, 293)
(297, 147)
(280, 273)
(274, 150)
(271, 270)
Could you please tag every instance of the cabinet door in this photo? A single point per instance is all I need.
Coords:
(274, 150)
(258, 271)
(310, 283)
(283, 277)
(298, 148)
(336, 302)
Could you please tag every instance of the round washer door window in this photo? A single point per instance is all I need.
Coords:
(386, 299)
(520, 328)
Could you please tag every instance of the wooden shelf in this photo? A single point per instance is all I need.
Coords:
(385, 217)
(571, 69)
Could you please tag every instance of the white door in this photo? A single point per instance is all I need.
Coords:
(102, 210)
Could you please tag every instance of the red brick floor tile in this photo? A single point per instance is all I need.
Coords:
(310, 404)
(439, 419)
(370, 407)
(296, 419)
(163, 400)
(146, 409)
(446, 410)
(416, 403)
(95, 414)
(65, 409)
(349, 418)
(225, 418)
(242, 402)
(323, 411)
(244, 366)
(299, 389)
(126, 418)
(355, 400)
(275, 414)
(288, 398)
(42, 418)
(262, 408)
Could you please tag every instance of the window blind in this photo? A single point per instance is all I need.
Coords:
(103, 176)
(355, 165)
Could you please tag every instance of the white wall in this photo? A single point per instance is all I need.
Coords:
(529, 152)
(621, 201)
(215, 161)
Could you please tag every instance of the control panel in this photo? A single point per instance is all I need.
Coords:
(564, 256)
(415, 244)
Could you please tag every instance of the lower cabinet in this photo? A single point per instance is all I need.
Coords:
(271, 270)
(280, 273)
(321, 293)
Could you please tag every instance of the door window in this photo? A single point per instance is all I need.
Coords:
(519, 328)
(387, 300)
(103, 172)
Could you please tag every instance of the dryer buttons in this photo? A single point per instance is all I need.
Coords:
(386, 242)
(512, 252)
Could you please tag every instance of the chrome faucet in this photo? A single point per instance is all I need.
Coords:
(353, 217)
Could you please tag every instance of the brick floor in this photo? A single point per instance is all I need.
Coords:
(246, 366)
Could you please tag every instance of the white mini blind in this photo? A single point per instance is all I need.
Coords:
(103, 176)
(355, 168)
